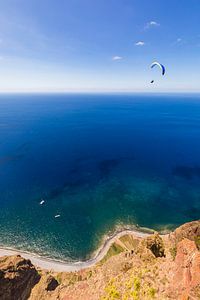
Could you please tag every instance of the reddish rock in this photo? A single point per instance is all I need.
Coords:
(189, 230)
(186, 269)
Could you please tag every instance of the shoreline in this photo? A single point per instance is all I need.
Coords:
(61, 266)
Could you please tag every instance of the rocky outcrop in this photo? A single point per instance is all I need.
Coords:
(186, 271)
(17, 278)
(190, 230)
(155, 244)
(43, 290)
(151, 247)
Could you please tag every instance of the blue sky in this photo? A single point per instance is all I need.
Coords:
(99, 45)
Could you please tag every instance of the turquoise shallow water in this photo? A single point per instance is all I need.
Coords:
(98, 161)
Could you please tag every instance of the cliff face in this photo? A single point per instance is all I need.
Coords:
(186, 271)
(17, 278)
(156, 267)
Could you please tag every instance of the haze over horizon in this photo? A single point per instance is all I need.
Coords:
(99, 45)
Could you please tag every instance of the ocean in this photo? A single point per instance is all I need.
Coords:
(100, 162)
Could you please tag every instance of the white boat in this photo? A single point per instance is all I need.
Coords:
(57, 216)
(41, 202)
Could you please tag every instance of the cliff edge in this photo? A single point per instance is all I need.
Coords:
(17, 278)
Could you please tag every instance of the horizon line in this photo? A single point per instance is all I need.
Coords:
(96, 91)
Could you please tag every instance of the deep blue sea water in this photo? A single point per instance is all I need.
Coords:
(98, 161)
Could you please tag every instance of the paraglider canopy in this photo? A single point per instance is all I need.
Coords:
(155, 63)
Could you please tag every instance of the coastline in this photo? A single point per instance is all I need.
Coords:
(61, 266)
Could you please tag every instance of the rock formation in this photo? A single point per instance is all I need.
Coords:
(17, 278)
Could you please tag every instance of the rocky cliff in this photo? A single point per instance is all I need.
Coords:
(17, 278)
(155, 267)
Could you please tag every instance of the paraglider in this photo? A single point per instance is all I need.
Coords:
(160, 66)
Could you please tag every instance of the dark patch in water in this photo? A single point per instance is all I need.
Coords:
(24, 147)
(193, 213)
(107, 165)
(69, 188)
(82, 159)
(55, 193)
(19, 154)
(88, 162)
(79, 165)
(75, 184)
(74, 170)
(9, 158)
(186, 172)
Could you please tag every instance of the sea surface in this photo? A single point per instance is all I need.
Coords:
(99, 161)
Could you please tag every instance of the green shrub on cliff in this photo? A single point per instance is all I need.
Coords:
(111, 292)
(113, 250)
(197, 241)
(173, 252)
(152, 292)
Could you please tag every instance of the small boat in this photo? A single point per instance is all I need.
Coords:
(41, 202)
(57, 216)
